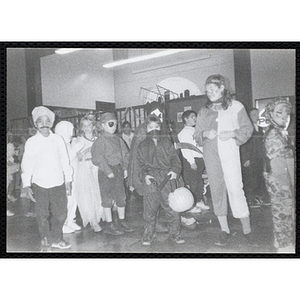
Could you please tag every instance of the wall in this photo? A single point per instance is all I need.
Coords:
(77, 79)
(194, 65)
(273, 73)
(16, 84)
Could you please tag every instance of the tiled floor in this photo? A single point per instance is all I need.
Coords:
(22, 235)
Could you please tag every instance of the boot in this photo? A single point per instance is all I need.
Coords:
(111, 229)
(125, 226)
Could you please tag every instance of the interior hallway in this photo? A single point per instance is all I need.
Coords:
(23, 237)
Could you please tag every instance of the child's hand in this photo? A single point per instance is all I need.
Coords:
(194, 166)
(111, 175)
(210, 134)
(29, 193)
(147, 179)
(247, 164)
(125, 174)
(173, 175)
(226, 135)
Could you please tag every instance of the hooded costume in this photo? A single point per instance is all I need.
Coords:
(65, 130)
(139, 135)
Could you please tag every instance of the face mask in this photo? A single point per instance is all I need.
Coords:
(154, 133)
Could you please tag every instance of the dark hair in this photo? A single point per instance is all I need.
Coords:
(186, 114)
(126, 123)
(153, 118)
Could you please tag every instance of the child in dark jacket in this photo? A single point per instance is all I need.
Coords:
(157, 159)
(111, 155)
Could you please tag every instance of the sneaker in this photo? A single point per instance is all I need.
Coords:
(189, 223)
(67, 229)
(61, 244)
(45, 247)
(74, 226)
(195, 210)
(9, 213)
(178, 239)
(223, 238)
(250, 240)
(125, 226)
(111, 229)
(96, 228)
(161, 228)
(202, 206)
(147, 237)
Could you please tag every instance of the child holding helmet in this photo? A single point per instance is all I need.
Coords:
(157, 158)
(110, 154)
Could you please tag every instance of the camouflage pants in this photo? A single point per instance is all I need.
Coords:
(282, 207)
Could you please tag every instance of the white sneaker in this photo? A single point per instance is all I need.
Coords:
(202, 206)
(195, 210)
(97, 228)
(189, 221)
(74, 226)
(9, 213)
(67, 229)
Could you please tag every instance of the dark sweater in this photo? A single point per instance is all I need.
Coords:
(109, 149)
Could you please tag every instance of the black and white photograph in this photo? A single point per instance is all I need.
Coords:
(150, 149)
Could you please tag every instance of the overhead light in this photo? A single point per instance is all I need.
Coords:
(143, 57)
(67, 50)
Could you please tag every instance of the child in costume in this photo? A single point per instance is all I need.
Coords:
(222, 126)
(279, 175)
(110, 154)
(157, 159)
(86, 187)
(66, 130)
(46, 169)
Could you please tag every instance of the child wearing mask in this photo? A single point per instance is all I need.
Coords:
(111, 156)
(157, 158)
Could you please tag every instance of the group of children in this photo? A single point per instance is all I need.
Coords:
(61, 172)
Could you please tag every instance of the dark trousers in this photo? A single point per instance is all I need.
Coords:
(153, 199)
(51, 211)
(193, 178)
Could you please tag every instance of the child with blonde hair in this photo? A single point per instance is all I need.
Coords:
(86, 187)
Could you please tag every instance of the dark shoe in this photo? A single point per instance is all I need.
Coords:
(178, 239)
(45, 247)
(61, 244)
(125, 226)
(250, 240)
(223, 238)
(161, 228)
(147, 237)
(111, 229)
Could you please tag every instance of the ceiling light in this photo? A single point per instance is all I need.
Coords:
(67, 50)
(144, 57)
